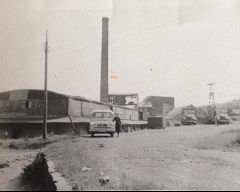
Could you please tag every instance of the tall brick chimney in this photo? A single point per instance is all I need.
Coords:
(104, 62)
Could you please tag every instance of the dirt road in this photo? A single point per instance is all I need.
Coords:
(191, 157)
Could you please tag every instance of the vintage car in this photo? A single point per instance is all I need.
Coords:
(101, 122)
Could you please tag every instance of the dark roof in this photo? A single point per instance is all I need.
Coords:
(39, 94)
(31, 94)
(158, 101)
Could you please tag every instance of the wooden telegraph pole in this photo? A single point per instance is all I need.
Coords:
(45, 91)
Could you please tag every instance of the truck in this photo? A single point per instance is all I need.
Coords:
(212, 115)
(222, 118)
(189, 117)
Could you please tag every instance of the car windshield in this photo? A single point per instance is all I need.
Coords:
(102, 115)
(189, 112)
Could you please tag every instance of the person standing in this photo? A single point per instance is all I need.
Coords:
(117, 124)
(216, 117)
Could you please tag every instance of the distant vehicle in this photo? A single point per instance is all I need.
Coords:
(101, 122)
(177, 123)
(223, 119)
(189, 117)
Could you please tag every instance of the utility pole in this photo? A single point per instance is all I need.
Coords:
(212, 102)
(211, 94)
(45, 91)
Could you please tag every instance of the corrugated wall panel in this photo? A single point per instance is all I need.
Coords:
(74, 108)
(86, 109)
(58, 107)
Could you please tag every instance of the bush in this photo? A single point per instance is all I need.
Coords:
(36, 176)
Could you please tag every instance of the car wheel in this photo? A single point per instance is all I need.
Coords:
(92, 134)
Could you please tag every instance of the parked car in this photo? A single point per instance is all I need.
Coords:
(101, 122)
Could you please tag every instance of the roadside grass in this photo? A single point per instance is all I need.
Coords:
(34, 143)
(226, 139)
(70, 157)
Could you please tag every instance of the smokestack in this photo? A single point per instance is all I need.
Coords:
(104, 62)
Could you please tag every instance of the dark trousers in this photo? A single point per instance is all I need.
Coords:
(117, 129)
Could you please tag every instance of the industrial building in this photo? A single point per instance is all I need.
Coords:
(21, 113)
(155, 106)
(126, 100)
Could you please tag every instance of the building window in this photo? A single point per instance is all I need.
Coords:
(28, 104)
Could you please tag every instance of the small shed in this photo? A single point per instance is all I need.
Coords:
(156, 122)
(155, 106)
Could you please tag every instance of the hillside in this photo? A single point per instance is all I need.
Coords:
(234, 104)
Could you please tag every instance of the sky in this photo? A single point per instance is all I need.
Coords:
(156, 47)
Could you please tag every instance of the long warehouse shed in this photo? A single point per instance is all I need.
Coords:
(21, 113)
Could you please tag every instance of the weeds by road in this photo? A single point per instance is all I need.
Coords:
(34, 143)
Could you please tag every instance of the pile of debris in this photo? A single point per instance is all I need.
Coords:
(36, 176)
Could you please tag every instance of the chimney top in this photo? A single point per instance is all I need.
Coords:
(105, 19)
